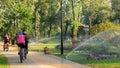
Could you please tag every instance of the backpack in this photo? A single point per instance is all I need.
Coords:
(6, 37)
(20, 39)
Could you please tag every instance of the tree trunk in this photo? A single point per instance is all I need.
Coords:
(35, 19)
(89, 26)
(72, 30)
(35, 24)
(49, 32)
(66, 28)
(44, 34)
(73, 12)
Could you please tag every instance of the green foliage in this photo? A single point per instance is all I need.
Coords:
(103, 26)
(17, 15)
(115, 6)
(43, 16)
(94, 12)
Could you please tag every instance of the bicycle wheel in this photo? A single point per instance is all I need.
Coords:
(21, 57)
(21, 60)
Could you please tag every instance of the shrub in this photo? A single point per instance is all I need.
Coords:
(103, 26)
(65, 47)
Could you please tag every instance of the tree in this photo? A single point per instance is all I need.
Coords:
(92, 10)
(36, 18)
(17, 16)
(116, 10)
(71, 16)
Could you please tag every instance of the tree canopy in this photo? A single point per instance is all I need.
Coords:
(42, 17)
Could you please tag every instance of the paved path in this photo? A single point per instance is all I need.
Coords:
(39, 60)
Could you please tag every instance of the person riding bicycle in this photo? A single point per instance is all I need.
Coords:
(6, 41)
(21, 41)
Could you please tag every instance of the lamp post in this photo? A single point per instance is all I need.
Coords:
(62, 52)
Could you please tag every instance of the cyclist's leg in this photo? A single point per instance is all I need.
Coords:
(23, 52)
(19, 47)
(7, 46)
(26, 48)
(3, 47)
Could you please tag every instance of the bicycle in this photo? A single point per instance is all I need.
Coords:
(21, 54)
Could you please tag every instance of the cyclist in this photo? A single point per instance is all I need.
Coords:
(21, 42)
(6, 40)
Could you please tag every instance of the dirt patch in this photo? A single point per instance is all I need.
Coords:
(15, 48)
(1, 43)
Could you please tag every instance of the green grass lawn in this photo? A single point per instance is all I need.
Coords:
(103, 63)
(107, 63)
(40, 47)
(3, 62)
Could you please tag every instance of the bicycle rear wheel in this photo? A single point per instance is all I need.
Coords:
(21, 55)
(21, 59)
